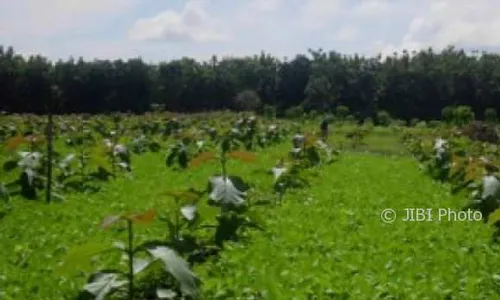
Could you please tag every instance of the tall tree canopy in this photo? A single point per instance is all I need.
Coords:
(406, 85)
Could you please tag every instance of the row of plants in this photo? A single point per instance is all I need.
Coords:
(161, 268)
(469, 165)
(96, 148)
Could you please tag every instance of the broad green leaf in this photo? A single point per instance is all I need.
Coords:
(223, 191)
(4, 192)
(103, 284)
(140, 264)
(171, 157)
(165, 294)
(491, 186)
(179, 269)
(79, 257)
(189, 212)
(278, 171)
(183, 157)
(124, 166)
(30, 176)
(99, 156)
(66, 161)
(9, 165)
(30, 160)
(494, 217)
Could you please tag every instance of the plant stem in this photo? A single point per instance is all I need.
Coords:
(82, 157)
(223, 163)
(130, 253)
(48, 190)
(177, 221)
(82, 168)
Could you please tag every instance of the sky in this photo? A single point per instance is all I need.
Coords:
(162, 30)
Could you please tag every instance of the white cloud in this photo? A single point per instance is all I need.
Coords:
(120, 28)
(452, 22)
(347, 33)
(52, 17)
(317, 14)
(266, 5)
(372, 8)
(193, 23)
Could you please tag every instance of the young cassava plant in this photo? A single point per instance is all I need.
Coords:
(140, 260)
(183, 221)
(229, 193)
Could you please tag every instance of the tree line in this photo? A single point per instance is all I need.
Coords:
(406, 85)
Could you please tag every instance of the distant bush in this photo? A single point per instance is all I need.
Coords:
(434, 124)
(463, 115)
(247, 100)
(447, 114)
(383, 118)
(414, 122)
(399, 123)
(490, 115)
(341, 112)
(157, 107)
(350, 119)
(294, 112)
(421, 124)
(269, 112)
(312, 114)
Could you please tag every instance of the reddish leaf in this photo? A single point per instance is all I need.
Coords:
(144, 218)
(243, 156)
(14, 142)
(202, 158)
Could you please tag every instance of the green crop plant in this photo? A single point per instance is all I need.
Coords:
(140, 261)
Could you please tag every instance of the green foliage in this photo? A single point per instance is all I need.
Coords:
(342, 112)
(294, 112)
(356, 136)
(413, 122)
(139, 260)
(31, 174)
(434, 124)
(463, 115)
(448, 114)
(247, 100)
(490, 115)
(318, 80)
(269, 112)
(220, 230)
(383, 118)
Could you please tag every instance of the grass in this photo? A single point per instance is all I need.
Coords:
(325, 242)
(331, 242)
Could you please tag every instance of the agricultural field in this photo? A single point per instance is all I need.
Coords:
(226, 206)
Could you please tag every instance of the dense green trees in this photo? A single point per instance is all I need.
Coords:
(407, 86)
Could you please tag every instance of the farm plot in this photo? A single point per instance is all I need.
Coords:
(310, 229)
(330, 243)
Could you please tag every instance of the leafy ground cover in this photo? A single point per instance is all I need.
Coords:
(324, 241)
(329, 242)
